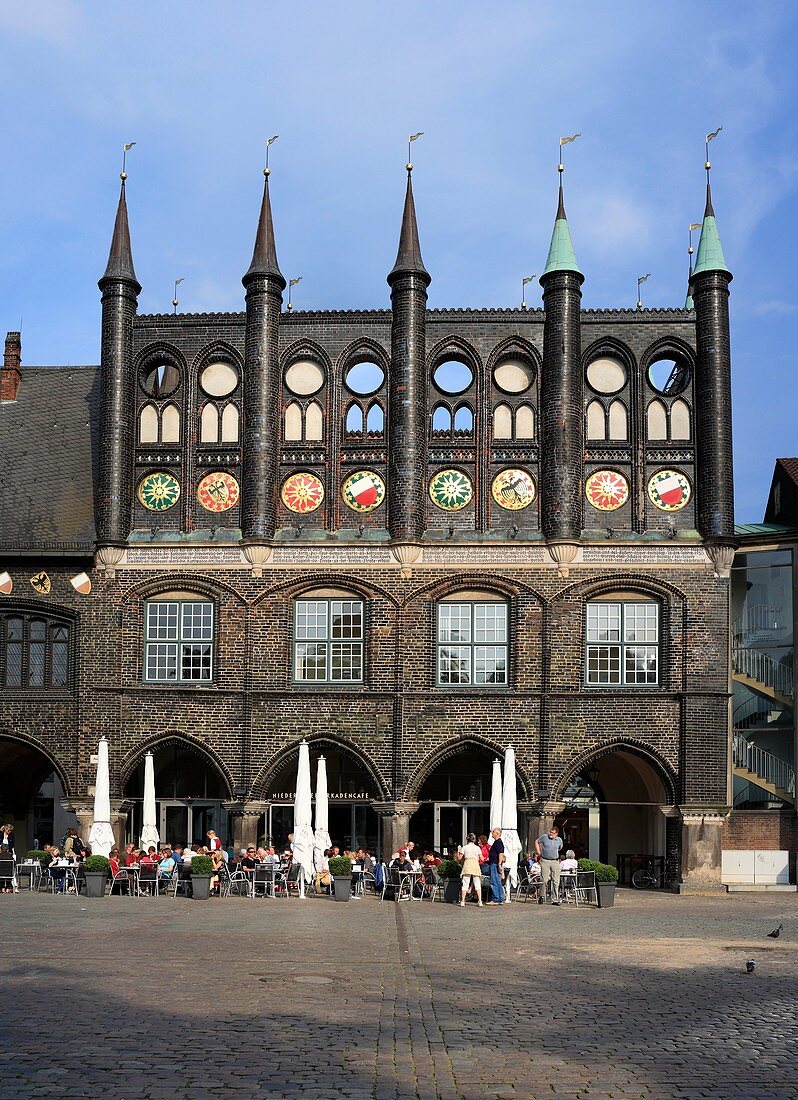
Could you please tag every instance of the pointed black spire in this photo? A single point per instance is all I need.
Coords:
(408, 258)
(709, 211)
(264, 256)
(120, 258)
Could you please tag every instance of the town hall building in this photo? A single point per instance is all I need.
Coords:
(410, 536)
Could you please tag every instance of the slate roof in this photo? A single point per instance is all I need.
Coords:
(790, 467)
(48, 444)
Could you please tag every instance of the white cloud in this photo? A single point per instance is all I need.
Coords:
(54, 21)
(775, 307)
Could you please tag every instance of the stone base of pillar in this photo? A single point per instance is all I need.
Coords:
(395, 824)
(246, 822)
(702, 841)
(84, 812)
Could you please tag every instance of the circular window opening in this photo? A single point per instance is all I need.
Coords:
(668, 376)
(160, 378)
(219, 379)
(364, 378)
(304, 378)
(512, 376)
(453, 376)
(606, 375)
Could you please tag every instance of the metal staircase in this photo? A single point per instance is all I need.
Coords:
(767, 771)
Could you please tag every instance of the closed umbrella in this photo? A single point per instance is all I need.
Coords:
(496, 797)
(149, 828)
(509, 825)
(101, 836)
(303, 831)
(321, 837)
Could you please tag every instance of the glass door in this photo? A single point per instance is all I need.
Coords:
(449, 826)
(204, 817)
(174, 823)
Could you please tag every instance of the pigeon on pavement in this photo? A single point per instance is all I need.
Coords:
(774, 935)
(750, 966)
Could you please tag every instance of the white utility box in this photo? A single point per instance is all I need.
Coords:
(755, 868)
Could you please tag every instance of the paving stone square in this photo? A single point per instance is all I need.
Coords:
(146, 998)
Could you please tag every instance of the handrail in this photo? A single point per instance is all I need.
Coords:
(753, 708)
(757, 618)
(763, 764)
(761, 667)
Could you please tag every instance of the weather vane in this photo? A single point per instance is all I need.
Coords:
(690, 249)
(524, 283)
(292, 283)
(565, 141)
(125, 150)
(707, 139)
(175, 302)
(641, 279)
(411, 138)
(269, 144)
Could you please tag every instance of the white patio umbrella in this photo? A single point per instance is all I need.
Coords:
(101, 836)
(303, 831)
(509, 825)
(321, 836)
(149, 827)
(495, 821)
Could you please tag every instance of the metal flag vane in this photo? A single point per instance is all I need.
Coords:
(565, 141)
(690, 249)
(270, 141)
(125, 150)
(524, 284)
(291, 284)
(410, 139)
(707, 139)
(641, 279)
(175, 302)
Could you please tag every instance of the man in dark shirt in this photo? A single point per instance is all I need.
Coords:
(496, 860)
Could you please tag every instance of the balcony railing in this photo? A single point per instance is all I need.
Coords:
(763, 764)
(761, 667)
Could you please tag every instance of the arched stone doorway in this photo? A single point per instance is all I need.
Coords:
(351, 789)
(455, 799)
(616, 809)
(190, 792)
(24, 767)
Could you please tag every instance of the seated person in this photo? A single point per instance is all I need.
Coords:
(145, 858)
(132, 858)
(322, 878)
(535, 870)
(271, 857)
(569, 866)
(401, 862)
(166, 867)
(177, 854)
(113, 860)
(152, 852)
(247, 862)
(484, 848)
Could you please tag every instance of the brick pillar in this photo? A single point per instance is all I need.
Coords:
(562, 407)
(261, 436)
(702, 840)
(713, 405)
(10, 376)
(246, 822)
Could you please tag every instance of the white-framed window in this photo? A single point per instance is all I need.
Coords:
(472, 643)
(178, 641)
(622, 643)
(328, 640)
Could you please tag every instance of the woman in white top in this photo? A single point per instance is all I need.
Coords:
(569, 865)
(470, 855)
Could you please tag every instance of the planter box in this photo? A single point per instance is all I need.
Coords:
(201, 887)
(95, 884)
(606, 894)
(452, 889)
(343, 887)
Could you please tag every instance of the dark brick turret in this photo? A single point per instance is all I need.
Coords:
(120, 289)
(264, 284)
(713, 410)
(10, 375)
(408, 281)
(561, 396)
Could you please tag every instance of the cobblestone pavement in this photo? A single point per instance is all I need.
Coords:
(146, 998)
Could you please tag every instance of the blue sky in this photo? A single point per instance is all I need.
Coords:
(199, 86)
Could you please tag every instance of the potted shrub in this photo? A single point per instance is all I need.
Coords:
(201, 875)
(341, 871)
(449, 871)
(96, 870)
(606, 878)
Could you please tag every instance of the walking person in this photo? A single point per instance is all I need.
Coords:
(470, 874)
(496, 860)
(548, 848)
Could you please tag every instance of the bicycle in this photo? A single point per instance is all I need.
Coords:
(645, 877)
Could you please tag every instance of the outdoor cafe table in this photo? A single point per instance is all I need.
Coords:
(410, 878)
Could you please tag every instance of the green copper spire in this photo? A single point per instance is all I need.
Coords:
(710, 252)
(561, 255)
(688, 302)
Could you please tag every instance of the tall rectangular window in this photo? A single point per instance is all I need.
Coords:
(472, 644)
(34, 653)
(622, 643)
(178, 641)
(328, 641)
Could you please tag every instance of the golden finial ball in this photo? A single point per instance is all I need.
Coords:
(409, 166)
(123, 176)
(561, 167)
(175, 302)
(690, 250)
(267, 172)
(707, 166)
